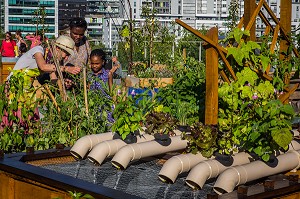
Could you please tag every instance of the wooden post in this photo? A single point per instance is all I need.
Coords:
(211, 97)
(285, 23)
(249, 8)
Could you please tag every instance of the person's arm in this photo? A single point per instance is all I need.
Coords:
(30, 37)
(110, 81)
(22, 41)
(72, 70)
(42, 65)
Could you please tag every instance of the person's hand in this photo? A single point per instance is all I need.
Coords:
(73, 70)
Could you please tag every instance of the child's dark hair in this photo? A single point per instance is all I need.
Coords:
(100, 53)
(78, 22)
(23, 48)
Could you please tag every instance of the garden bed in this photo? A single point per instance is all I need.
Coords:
(50, 174)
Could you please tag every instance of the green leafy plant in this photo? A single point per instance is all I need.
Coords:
(202, 139)
(251, 117)
(18, 111)
(130, 114)
(160, 121)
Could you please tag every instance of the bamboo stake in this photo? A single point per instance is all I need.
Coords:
(51, 96)
(62, 87)
(85, 91)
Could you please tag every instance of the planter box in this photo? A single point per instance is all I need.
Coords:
(155, 82)
(147, 82)
(5, 65)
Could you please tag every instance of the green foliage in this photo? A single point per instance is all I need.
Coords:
(202, 138)
(160, 121)
(130, 114)
(17, 111)
(72, 122)
(251, 117)
(188, 89)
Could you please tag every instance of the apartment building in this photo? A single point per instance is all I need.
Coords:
(19, 14)
(104, 22)
(68, 9)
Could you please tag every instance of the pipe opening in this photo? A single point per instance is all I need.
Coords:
(219, 190)
(76, 155)
(165, 179)
(193, 185)
(92, 160)
(117, 165)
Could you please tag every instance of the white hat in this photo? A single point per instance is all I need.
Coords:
(66, 43)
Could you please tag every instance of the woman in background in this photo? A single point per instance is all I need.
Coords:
(8, 46)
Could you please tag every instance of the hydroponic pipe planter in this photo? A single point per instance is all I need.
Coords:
(177, 165)
(86, 143)
(146, 149)
(239, 175)
(109, 148)
(212, 168)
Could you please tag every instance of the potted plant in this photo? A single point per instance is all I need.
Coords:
(129, 116)
(161, 124)
(202, 138)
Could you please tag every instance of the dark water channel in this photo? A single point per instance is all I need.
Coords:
(139, 179)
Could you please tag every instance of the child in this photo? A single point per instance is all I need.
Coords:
(99, 73)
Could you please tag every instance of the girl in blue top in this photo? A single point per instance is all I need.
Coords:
(99, 73)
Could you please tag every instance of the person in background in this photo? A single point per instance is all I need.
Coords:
(22, 49)
(116, 69)
(20, 39)
(82, 49)
(36, 40)
(8, 46)
(99, 73)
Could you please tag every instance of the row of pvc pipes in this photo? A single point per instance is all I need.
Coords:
(243, 168)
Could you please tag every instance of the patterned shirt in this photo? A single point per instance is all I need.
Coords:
(80, 57)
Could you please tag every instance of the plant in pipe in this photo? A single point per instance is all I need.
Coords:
(130, 114)
(202, 138)
(160, 121)
(251, 116)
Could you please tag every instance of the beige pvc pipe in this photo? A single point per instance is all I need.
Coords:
(83, 145)
(239, 175)
(212, 168)
(146, 149)
(110, 147)
(179, 164)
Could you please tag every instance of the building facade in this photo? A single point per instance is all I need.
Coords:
(19, 15)
(68, 9)
(104, 21)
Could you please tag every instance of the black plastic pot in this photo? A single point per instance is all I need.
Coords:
(131, 138)
(224, 159)
(59, 146)
(30, 150)
(163, 139)
(184, 128)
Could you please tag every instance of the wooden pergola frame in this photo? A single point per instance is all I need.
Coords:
(214, 50)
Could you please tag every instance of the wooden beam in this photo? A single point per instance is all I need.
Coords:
(272, 47)
(228, 66)
(203, 37)
(224, 76)
(267, 30)
(254, 15)
(241, 23)
(270, 12)
(211, 95)
(249, 9)
(285, 23)
(283, 98)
